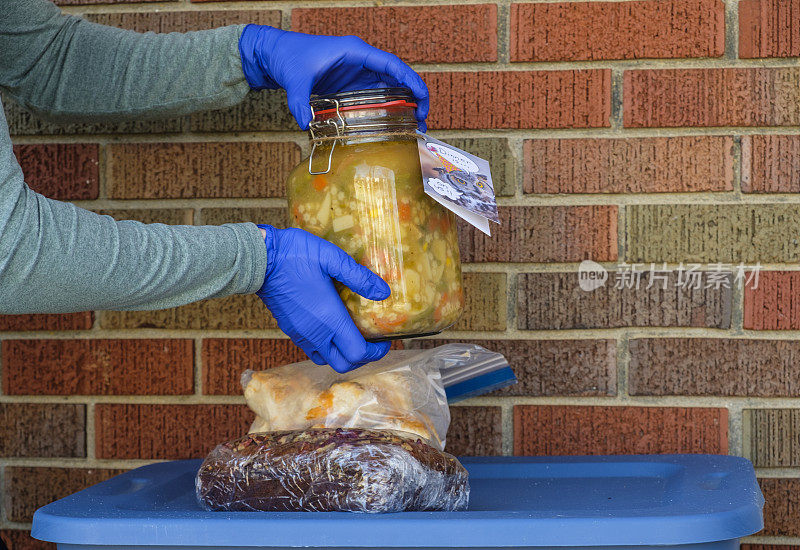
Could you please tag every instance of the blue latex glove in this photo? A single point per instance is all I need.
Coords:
(298, 290)
(305, 64)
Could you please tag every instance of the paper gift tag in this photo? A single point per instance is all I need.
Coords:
(459, 181)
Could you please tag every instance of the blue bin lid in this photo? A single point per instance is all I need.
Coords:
(515, 501)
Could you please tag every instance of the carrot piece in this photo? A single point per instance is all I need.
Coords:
(320, 182)
(388, 325)
(404, 211)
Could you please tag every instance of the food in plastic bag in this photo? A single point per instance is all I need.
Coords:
(351, 470)
(402, 392)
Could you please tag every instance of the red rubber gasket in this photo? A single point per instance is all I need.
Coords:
(396, 103)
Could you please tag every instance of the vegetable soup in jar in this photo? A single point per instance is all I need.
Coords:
(361, 189)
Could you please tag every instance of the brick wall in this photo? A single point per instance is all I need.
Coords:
(629, 131)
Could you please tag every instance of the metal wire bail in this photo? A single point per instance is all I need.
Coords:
(338, 123)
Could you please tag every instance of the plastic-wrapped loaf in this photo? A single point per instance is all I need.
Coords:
(342, 469)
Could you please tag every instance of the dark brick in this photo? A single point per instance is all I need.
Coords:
(272, 216)
(498, 152)
(396, 29)
(259, 112)
(63, 171)
(712, 97)
(551, 367)
(29, 488)
(47, 321)
(548, 301)
(520, 99)
(183, 21)
(774, 437)
(544, 234)
(579, 430)
(232, 313)
(105, 367)
(714, 367)
(22, 122)
(16, 539)
(782, 509)
(730, 233)
(225, 359)
(635, 165)
(42, 430)
(166, 431)
(573, 31)
(195, 170)
(169, 216)
(475, 431)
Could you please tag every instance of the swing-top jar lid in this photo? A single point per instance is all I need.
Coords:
(362, 99)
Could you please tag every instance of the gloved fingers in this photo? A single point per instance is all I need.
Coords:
(342, 267)
(298, 98)
(385, 63)
(309, 350)
(355, 349)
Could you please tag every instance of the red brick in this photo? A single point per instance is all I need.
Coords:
(63, 171)
(42, 430)
(579, 430)
(547, 301)
(199, 170)
(225, 359)
(397, 29)
(775, 303)
(16, 539)
(520, 99)
(551, 367)
(768, 28)
(782, 507)
(166, 431)
(771, 164)
(578, 31)
(643, 165)
(86, 2)
(183, 21)
(90, 367)
(46, 321)
(544, 234)
(712, 97)
(30, 488)
(475, 431)
(714, 367)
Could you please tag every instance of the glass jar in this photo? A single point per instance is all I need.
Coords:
(361, 189)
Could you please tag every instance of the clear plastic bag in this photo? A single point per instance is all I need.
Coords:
(403, 392)
(331, 470)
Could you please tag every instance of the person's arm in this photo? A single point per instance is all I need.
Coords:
(56, 257)
(65, 68)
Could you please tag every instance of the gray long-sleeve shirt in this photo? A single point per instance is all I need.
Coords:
(56, 257)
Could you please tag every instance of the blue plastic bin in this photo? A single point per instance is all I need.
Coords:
(700, 502)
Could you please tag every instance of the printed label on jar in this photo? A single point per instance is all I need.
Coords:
(459, 181)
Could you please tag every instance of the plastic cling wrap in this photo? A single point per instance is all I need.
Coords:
(351, 470)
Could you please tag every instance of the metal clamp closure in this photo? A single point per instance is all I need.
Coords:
(339, 125)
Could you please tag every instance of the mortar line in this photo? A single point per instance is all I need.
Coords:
(617, 99)
(731, 29)
(503, 31)
(623, 359)
(90, 429)
(279, 136)
(512, 290)
(510, 333)
(770, 540)
(198, 365)
(746, 435)
(507, 423)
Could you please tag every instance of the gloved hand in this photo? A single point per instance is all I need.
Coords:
(305, 64)
(298, 290)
